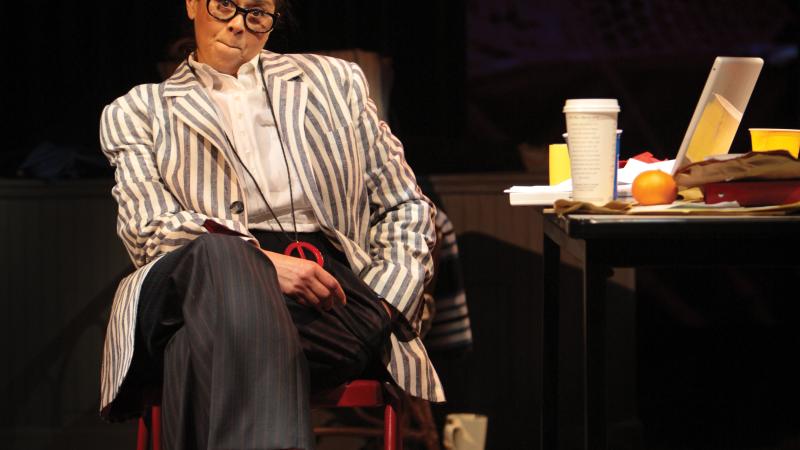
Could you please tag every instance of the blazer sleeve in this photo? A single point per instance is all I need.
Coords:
(150, 220)
(401, 232)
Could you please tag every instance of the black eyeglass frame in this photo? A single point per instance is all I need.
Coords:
(244, 12)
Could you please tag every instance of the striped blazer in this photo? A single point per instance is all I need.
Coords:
(175, 169)
(450, 329)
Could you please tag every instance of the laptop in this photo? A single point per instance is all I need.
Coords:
(719, 110)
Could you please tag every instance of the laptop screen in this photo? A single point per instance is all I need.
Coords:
(719, 110)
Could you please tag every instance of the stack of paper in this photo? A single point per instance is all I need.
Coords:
(539, 195)
(546, 195)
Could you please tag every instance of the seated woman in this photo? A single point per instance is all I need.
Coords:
(280, 241)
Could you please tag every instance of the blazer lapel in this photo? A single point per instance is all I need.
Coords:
(194, 108)
(288, 94)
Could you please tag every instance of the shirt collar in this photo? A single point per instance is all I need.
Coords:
(211, 78)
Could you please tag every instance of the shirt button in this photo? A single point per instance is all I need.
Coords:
(237, 207)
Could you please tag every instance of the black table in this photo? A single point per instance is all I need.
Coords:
(603, 242)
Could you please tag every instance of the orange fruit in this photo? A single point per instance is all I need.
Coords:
(654, 187)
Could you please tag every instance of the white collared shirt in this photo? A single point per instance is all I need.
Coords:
(247, 120)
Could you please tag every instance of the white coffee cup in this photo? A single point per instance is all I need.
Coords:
(465, 432)
(592, 130)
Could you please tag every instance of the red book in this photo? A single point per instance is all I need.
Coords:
(754, 193)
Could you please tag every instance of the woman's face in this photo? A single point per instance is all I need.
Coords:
(226, 45)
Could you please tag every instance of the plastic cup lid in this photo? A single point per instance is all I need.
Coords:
(591, 105)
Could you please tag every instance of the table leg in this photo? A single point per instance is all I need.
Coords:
(551, 263)
(594, 348)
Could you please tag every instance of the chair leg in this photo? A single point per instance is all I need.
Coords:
(389, 427)
(155, 423)
(392, 426)
(142, 435)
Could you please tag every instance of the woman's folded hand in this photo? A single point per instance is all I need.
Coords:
(306, 281)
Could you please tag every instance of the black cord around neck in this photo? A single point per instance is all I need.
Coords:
(283, 152)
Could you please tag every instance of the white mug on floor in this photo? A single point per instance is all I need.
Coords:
(465, 432)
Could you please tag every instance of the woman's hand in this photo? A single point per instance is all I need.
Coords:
(306, 281)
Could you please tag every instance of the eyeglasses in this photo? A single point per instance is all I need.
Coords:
(255, 19)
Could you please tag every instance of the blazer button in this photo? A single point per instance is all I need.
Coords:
(237, 207)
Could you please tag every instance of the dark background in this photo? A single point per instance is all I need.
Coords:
(474, 82)
(71, 62)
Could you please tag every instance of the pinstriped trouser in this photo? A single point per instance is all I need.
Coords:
(237, 352)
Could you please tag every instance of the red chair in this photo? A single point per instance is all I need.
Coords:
(364, 394)
(150, 424)
(356, 394)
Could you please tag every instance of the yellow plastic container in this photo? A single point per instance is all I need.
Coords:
(559, 163)
(765, 139)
